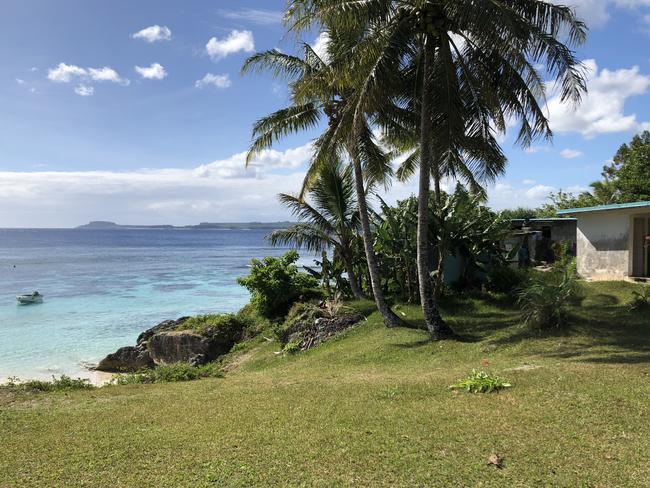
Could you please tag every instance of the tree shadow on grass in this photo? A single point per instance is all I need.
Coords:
(607, 333)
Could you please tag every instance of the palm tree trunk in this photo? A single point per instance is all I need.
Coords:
(352, 277)
(435, 324)
(390, 318)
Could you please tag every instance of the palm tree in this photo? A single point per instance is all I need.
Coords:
(474, 62)
(318, 92)
(331, 222)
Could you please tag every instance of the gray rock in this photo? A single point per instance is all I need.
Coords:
(126, 359)
(182, 347)
(161, 327)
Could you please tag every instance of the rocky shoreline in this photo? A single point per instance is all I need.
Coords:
(165, 343)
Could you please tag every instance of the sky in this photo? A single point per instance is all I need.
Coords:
(136, 112)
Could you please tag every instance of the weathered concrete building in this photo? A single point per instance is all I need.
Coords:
(613, 241)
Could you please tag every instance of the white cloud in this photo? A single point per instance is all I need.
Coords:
(570, 153)
(154, 33)
(106, 74)
(65, 73)
(596, 13)
(320, 45)
(20, 81)
(254, 15)
(602, 108)
(220, 81)
(223, 190)
(237, 41)
(84, 90)
(155, 71)
(536, 149)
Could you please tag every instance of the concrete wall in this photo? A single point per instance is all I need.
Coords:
(603, 244)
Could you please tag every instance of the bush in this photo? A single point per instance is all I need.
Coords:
(276, 284)
(63, 383)
(223, 327)
(504, 279)
(169, 374)
(545, 298)
(640, 300)
(292, 347)
(481, 382)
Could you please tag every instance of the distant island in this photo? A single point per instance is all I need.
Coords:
(107, 225)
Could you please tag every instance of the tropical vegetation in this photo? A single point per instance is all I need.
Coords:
(437, 81)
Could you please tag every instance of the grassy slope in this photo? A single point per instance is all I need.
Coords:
(369, 408)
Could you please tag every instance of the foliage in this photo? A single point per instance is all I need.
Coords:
(481, 382)
(63, 383)
(630, 170)
(462, 226)
(291, 347)
(276, 284)
(331, 221)
(545, 298)
(519, 213)
(224, 327)
(169, 373)
(506, 279)
(640, 299)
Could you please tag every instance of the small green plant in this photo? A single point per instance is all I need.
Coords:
(640, 300)
(292, 347)
(63, 383)
(544, 300)
(481, 382)
(169, 373)
(276, 284)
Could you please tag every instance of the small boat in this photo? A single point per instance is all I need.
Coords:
(34, 297)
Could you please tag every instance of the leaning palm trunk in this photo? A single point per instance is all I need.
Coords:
(390, 318)
(352, 277)
(435, 324)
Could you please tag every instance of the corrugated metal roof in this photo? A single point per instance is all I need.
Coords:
(600, 208)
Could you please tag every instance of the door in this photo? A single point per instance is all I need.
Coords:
(641, 248)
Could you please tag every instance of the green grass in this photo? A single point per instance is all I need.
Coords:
(371, 407)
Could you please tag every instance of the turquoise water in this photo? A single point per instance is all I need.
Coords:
(102, 288)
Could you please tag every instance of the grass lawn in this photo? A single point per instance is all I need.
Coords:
(369, 408)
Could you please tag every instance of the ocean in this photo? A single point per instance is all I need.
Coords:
(102, 288)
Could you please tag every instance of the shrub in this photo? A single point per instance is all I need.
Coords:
(223, 327)
(169, 374)
(292, 347)
(545, 298)
(504, 279)
(640, 300)
(276, 284)
(481, 382)
(63, 383)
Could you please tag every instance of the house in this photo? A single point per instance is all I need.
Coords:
(539, 236)
(613, 241)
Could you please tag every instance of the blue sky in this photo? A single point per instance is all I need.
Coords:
(104, 114)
